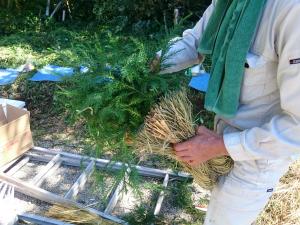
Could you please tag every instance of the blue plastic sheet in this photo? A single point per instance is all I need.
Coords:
(52, 73)
(83, 69)
(200, 82)
(8, 76)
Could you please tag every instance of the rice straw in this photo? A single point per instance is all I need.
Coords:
(170, 122)
(284, 206)
(75, 215)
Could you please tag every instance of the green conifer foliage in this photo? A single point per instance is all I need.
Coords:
(114, 107)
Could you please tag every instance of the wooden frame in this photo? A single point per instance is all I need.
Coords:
(55, 159)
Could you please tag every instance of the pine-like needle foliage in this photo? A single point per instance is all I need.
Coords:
(114, 107)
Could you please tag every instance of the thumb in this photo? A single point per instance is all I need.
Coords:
(202, 130)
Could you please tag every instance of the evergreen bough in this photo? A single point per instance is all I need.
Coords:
(114, 106)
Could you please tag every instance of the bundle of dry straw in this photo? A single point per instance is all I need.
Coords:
(73, 215)
(170, 122)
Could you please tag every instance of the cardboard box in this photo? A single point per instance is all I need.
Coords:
(16, 103)
(15, 133)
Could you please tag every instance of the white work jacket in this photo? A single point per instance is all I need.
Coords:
(268, 118)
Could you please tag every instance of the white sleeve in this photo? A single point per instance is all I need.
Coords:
(183, 52)
(280, 137)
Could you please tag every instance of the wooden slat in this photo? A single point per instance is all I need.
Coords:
(147, 171)
(114, 198)
(56, 8)
(9, 165)
(81, 181)
(161, 196)
(42, 175)
(48, 8)
(49, 173)
(18, 166)
(43, 195)
(40, 220)
(116, 195)
(79, 163)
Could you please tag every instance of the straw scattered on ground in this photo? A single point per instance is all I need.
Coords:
(284, 206)
(76, 216)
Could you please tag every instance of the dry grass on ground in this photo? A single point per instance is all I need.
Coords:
(284, 206)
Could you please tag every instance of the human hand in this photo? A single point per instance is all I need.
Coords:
(204, 146)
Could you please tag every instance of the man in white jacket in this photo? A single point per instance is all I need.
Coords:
(264, 137)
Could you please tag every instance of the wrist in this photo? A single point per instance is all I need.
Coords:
(221, 148)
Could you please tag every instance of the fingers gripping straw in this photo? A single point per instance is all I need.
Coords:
(170, 122)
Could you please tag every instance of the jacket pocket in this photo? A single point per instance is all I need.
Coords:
(242, 196)
(259, 78)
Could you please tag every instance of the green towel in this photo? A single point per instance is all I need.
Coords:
(227, 38)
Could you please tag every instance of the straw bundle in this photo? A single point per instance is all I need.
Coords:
(75, 215)
(284, 206)
(170, 122)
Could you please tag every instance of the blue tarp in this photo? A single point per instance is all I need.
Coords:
(200, 82)
(52, 73)
(8, 76)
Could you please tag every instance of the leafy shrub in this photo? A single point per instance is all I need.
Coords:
(114, 106)
(145, 15)
(141, 215)
(181, 194)
(139, 15)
